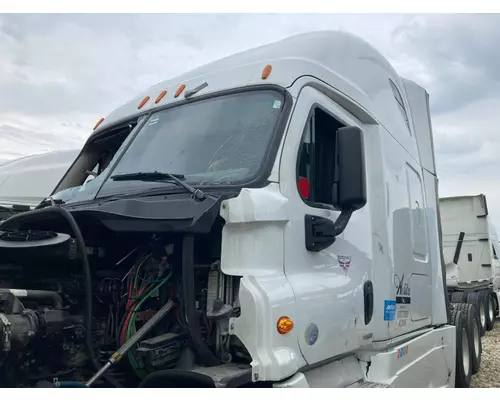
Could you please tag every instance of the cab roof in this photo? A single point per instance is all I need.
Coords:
(342, 60)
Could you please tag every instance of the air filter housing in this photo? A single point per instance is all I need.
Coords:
(31, 238)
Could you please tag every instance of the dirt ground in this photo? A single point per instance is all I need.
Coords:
(488, 375)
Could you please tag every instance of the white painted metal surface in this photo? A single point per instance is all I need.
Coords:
(27, 181)
(425, 361)
(478, 263)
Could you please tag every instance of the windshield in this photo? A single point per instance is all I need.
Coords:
(217, 141)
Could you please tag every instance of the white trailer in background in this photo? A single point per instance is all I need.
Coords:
(471, 251)
(26, 181)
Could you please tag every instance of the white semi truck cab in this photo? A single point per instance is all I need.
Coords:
(270, 219)
(25, 182)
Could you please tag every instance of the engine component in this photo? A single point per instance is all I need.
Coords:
(16, 330)
(216, 307)
(131, 282)
(30, 238)
(86, 269)
(37, 295)
(162, 351)
(18, 326)
(188, 291)
(118, 355)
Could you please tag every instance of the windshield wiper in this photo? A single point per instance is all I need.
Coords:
(161, 177)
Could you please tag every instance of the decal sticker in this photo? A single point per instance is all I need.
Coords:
(153, 121)
(403, 299)
(311, 335)
(389, 310)
(277, 104)
(344, 263)
(403, 351)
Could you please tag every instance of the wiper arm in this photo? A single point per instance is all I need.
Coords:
(161, 177)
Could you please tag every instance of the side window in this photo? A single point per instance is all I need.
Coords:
(401, 104)
(494, 253)
(316, 161)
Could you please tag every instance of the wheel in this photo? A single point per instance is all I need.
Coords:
(478, 300)
(463, 366)
(490, 309)
(457, 297)
(474, 335)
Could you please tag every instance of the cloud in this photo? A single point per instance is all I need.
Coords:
(458, 52)
(66, 71)
(60, 73)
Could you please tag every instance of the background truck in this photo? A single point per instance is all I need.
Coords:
(25, 182)
(471, 249)
(270, 219)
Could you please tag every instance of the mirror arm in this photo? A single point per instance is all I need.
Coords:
(321, 232)
(342, 221)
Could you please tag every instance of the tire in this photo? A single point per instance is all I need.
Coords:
(463, 366)
(490, 309)
(478, 300)
(457, 297)
(474, 336)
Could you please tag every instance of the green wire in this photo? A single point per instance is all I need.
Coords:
(131, 325)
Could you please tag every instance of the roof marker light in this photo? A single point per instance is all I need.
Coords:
(160, 96)
(267, 71)
(98, 123)
(179, 90)
(144, 101)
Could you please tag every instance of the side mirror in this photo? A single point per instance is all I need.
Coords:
(350, 183)
(349, 190)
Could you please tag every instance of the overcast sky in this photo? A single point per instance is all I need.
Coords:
(60, 73)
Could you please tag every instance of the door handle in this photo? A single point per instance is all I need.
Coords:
(368, 299)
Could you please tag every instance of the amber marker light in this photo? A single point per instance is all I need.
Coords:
(98, 123)
(144, 101)
(266, 72)
(180, 89)
(284, 325)
(160, 96)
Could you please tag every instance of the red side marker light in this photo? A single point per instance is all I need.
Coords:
(304, 187)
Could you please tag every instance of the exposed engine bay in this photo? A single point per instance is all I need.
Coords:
(65, 311)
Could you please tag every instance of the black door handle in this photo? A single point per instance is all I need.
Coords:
(368, 297)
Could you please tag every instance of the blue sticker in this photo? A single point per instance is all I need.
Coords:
(389, 310)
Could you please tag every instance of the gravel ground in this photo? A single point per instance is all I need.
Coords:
(488, 375)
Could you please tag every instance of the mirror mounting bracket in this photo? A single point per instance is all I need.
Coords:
(321, 233)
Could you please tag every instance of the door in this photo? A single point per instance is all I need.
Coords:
(332, 286)
(411, 256)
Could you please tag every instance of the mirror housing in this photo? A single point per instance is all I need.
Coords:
(349, 189)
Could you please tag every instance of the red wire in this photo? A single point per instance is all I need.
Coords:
(130, 301)
(129, 315)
